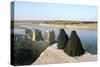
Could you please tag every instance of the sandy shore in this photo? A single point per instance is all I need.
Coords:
(69, 25)
(72, 26)
(53, 55)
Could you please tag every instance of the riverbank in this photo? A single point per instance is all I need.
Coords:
(53, 55)
(90, 26)
(67, 24)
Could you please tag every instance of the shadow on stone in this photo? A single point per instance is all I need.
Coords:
(52, 38)
(38, 35)
(29, 33)
(34, 35)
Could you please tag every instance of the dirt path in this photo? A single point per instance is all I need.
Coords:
(53, 55)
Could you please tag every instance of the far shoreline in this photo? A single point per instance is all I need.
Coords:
(61, 24)
(72, 26)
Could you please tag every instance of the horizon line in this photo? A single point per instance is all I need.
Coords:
(58, 20)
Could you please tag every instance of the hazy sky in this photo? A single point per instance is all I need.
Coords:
(47, 11)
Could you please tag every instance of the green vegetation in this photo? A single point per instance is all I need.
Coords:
(26, 51)
(74, 45)
(62, 39)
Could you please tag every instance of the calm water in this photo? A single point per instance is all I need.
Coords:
(88, 37)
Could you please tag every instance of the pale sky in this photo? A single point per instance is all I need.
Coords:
(50, 11)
